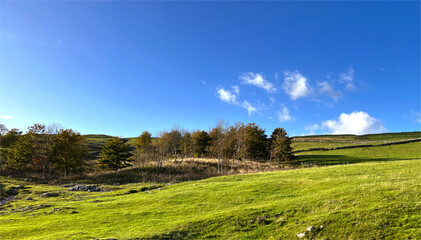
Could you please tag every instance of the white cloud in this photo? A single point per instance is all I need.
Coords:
(354, 123)
(257, 80)
(347, 78)
(250, 108)
(295, 85)
(312, 129)
(272, 99)
(6, 117)
(325, 87)
(228, 95)
(283, 115)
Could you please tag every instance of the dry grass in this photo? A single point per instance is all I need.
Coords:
(189, 169)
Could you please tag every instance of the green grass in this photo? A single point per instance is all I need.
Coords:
(357, 155)
(378, 200)
(368, 137)
(333, 141)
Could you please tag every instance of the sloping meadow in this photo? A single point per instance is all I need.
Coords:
(376, 200)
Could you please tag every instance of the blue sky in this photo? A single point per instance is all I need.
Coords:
(120, 68)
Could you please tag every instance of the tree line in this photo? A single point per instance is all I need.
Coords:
(51, 150)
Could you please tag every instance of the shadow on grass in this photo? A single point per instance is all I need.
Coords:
(338, 159)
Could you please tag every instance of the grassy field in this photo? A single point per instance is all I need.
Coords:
(375, 197)
(333, 141)
(356, 155)
(360, 201)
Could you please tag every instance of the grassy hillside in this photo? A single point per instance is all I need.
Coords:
(357, 155)
(332, 141)
(360, 201)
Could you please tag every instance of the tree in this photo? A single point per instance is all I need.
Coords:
(201, 142)
(115, 155)
(143, 148)
(69, 152)
(161, 147)
(42, 138)
(6, 145)
(217, 135)
(19, 155)
(256, 143)
(186, 144)
(174, 141)
(281, 150)
(3, 130)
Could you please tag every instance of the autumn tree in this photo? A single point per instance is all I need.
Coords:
(186, 144)
(174, 141)
(161, 147)
(19, 155)
(280, 147)
(201, 141)
(143, 148)
(115, 154)
(69, 152)
(217, 135)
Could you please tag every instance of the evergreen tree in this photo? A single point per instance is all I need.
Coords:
(281, 150)
(115, 154)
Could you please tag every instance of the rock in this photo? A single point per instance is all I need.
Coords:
(116, 184)
(49, 195)
(29, 198)
(41, 206)
(301, 235)
(159, 189)
(55, 209)
(67, 185)
(309, 229)
(88, 188)
(321, 226)
(18, 186)
(9, 176)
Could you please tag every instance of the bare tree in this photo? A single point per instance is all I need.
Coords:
(217, 135)
(174, 142)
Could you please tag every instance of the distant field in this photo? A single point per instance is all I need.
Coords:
(357, 155)
(368, 137)
(359, 201)
(333, 141)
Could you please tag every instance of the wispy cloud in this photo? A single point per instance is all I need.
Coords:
(324, 87)
(347, 78)
(295, 85)
(249, 107)
(229, 96)
(284, 115)
(312, 129)
(354, 123)
(6, 117)
(257, 80)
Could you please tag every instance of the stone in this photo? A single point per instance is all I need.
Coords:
(47, 194)
(29, 198)
(309, 229)
(88, 188)
(168, 184)
(116, 184)
(301, 235)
